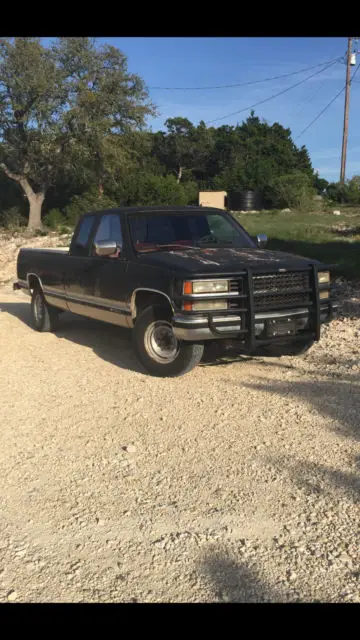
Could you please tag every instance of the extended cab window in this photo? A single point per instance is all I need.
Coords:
(82, 239)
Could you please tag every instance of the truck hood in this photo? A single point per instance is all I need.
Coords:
(222, 260)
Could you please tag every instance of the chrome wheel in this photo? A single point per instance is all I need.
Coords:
(160, 342)
(39, 309)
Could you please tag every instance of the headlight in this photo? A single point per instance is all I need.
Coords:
(324, 277)
(206, 286)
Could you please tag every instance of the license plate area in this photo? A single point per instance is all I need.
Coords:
(280, 327)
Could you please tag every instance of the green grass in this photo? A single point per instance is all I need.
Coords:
(320, 235)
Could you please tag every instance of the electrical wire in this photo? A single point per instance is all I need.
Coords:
(243, 84)
(307, 101)
(275, 95)
(328, 105)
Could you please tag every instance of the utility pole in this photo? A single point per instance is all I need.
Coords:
(346, 113)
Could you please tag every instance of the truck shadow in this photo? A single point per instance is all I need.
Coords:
(340, 402)
(237, 582)
(112, 344)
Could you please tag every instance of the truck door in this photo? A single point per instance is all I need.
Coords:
(78, 277)
(104, 296)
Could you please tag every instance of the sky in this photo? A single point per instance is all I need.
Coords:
(199, 62)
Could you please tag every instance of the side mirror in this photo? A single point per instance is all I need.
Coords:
(105, 247)
(261, 240)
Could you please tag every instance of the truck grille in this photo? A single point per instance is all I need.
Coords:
(279, 290)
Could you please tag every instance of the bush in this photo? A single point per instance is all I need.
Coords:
(12, 218)
(348, 193)
(54, 219)
(64, 231)
(337, 192)
(89, 201)
(293, 190)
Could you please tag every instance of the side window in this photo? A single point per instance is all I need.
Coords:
(109, 229)
(220, 228)
(83, 236)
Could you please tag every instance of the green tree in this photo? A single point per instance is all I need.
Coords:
(176, 147)
(65, 110)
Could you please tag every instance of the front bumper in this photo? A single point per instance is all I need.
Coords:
(212, 326)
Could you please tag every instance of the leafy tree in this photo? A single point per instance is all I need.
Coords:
(91, 200)
(65, 110)
(176, 147)
(143, 188)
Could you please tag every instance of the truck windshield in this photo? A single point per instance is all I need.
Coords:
(171, 231)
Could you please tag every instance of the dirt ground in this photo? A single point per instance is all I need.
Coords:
(236, 482)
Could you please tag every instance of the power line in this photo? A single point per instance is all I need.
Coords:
(328, 105)
(305, 102)
(275, 95)
(243, 84)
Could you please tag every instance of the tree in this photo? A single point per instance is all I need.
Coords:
(176, 148)
(320, 184)
(65, 110)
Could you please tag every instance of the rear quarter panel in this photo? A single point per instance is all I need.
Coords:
(49, 265)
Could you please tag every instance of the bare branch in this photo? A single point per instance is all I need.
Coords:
(10, 174)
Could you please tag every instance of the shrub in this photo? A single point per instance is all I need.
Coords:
(54, 219)
(293, 190)
(12, 218)
(64, 230)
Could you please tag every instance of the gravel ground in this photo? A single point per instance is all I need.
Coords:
(236, 482)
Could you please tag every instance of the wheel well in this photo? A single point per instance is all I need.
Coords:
(143, 299)
(34, 282)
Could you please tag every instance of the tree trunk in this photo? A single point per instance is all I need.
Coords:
(179, 175)
(35, 201)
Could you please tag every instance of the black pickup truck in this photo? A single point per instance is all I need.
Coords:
(179, 276)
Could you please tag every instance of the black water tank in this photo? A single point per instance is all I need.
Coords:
(247, 200)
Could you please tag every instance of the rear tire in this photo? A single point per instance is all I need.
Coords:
(44, 316)
(157, 348)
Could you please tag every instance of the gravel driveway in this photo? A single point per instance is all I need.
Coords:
(236, 482)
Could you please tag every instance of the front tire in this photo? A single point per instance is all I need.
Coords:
(44, 316)
(158, 349)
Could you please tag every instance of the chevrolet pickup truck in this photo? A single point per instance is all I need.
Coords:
(179, 277)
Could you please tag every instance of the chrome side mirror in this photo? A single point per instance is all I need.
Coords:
(261, 240)
(105, 247)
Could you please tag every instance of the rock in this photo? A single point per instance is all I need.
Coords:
(336, 212)
(292, 576)
(130, 448)
(287, 210)
(100, 522)
(12, 596)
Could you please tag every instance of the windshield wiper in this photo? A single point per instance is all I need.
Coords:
(218, 244)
